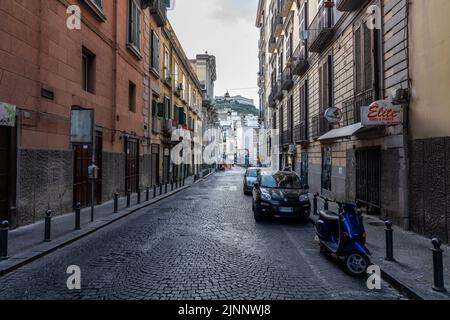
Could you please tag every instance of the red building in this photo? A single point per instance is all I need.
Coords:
(45, 69)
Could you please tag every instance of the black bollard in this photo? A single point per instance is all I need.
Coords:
(160, 189)
(154, 191)
(116, 202)
(176, 184)
(389, 241)
(48, 226)
(316, 195)
(78, 216)
(147, 193)
(165, 188)
(171, 185)
(128, 198)
(438, 266)
(4, 228)
(139, 196)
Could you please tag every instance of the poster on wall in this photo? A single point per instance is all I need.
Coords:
(7, 114)
(82, 122)
(381, 113)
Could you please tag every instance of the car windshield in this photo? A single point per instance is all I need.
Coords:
(253, 173)
(280, 180)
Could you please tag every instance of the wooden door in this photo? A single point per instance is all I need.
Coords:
(131, 165)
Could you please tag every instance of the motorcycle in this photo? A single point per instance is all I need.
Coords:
(343, 235)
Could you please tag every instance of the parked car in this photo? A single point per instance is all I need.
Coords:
(251, 174)
(280, 194)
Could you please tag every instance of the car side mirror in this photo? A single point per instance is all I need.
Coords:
(306, 187)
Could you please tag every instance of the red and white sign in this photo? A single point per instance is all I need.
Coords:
(381, 113)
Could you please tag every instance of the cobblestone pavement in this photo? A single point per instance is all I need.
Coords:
(201, 244)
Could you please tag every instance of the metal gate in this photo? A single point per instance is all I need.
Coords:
(4, 171)
(82, 185)
(131, 165)
(368, 178)
(304, 167)
(155, 164)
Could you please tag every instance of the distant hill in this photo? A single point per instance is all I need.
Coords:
(236, 106)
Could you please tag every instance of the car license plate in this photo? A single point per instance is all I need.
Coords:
(286, 210)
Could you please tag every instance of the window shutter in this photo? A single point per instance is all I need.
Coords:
(358, 61)
(321, 88)
(368, 58)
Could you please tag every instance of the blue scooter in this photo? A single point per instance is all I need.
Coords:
(343, 236)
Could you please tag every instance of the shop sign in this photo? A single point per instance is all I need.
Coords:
(381, 113)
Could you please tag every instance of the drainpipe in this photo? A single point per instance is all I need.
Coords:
(115, 76)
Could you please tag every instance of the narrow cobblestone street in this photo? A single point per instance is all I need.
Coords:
(201, 244)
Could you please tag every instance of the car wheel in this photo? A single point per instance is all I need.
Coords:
(257, 213)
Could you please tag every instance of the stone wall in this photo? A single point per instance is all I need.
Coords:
(45, 180)
(429, 184)
(113, 174)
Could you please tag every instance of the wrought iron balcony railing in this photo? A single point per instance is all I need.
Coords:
(319, 126)
(321, 28)
(272, 44)
(351, 108)
(286, 6)
(286, 137)
(301, 133)
(299, 60)
(278, 25)
(349, 5)
(287, 81)
(158, 9)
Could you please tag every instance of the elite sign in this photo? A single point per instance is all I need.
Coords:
(381, 113)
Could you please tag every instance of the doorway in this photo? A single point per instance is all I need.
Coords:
(5, 149)
(304, 168)
(155, 165)
(131, 165)
(368, 178)
(82, 185)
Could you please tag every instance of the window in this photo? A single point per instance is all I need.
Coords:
(132, 97)
(154, 107)
(175, 71)
(97, 7)
(134, 24)
(366, 59)
(326, 85)
(166, 64)
(326, 167)
(88, 71)
(154, 60)
(166, 111)
(184, 87)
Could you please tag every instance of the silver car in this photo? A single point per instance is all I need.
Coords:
(249, 179)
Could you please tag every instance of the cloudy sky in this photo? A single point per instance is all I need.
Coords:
(226, 29)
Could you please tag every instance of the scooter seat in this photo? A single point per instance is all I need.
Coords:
(328, 215)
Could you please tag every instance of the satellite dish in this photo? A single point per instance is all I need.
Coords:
(333, 115)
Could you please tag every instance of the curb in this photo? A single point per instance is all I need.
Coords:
(30, 255)
(398, 285)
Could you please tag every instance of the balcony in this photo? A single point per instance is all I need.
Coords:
(272, 101)
(179, 90)
(321, 28)
(286, 137)
(299, 60)
(351, 109)
(272, 44)
(287, 81)
(278, 21)
(158, 10)
(156, 125)
(167, 128)
(349, 5)
(261, 79)
(319, 126)
(286, 6)
(278, 91)
(301, 133)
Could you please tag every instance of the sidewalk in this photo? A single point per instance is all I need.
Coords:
(412, 270)
(26, 244)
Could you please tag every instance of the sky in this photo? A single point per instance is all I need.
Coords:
(226, 29)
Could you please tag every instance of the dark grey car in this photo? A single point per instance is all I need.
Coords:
(249, 179)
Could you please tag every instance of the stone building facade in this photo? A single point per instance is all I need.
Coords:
(45, 69)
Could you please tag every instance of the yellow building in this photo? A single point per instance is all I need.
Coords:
(177, 107)
(429, 115)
